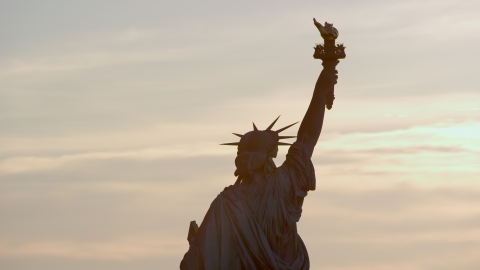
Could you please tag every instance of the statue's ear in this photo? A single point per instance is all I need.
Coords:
(273, 151)
(269, 167)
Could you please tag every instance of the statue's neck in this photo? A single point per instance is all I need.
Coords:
(253, 179)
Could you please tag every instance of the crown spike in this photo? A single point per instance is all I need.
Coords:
(254, 127)
(282, 129)
(271, 125)
(238, 135)
(232, 143)
(282, 143)
(286, 137)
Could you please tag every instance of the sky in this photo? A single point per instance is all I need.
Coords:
(112, 112)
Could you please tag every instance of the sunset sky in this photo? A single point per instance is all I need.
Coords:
(112, 112)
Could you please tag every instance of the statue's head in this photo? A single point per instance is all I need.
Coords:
(257, 148)
(259, 141)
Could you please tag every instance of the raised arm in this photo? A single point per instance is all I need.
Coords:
(312, 122)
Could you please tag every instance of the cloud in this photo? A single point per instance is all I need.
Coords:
(26, 164)
(78, 60)
(127, 248)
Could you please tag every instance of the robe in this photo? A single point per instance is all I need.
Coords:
(252, 225)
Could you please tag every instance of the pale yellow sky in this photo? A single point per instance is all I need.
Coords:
(112, 112)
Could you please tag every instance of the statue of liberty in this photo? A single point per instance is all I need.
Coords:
(253, 223)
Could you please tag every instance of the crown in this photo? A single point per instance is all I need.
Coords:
(269, 128)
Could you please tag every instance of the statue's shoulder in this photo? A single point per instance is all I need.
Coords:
(232, 192)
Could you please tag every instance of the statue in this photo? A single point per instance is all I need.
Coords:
(252, 224)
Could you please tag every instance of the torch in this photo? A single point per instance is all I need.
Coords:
(329, 51)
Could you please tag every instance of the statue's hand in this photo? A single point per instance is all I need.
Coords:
(328, 78)
(328, 32)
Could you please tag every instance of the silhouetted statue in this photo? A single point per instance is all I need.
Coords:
(253, 223)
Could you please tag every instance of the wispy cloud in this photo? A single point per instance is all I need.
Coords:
(31, 163)
(127, 248)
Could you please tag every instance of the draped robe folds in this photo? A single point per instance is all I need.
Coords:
(252, 225)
